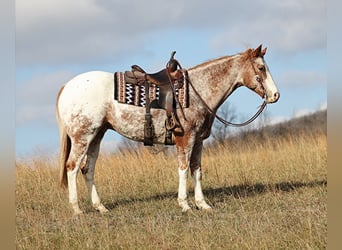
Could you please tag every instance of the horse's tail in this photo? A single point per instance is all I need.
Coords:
(65, 145)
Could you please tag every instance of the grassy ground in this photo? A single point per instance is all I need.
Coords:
(267, 194)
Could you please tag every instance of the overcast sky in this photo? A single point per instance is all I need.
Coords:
(56, 40)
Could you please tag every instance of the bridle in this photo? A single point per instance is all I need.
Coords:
(225, 122)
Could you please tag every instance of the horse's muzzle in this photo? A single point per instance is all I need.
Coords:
(274, 98)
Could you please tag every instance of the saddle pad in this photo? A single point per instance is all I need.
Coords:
(134, 94)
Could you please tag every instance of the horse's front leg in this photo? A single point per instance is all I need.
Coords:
(196, 172)
(184, 146)
(182, 189)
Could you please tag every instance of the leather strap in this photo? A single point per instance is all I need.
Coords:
(225, 122)
(148, 126)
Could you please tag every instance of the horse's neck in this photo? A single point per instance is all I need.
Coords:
(216, 80)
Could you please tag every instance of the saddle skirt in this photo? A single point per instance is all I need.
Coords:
(128, 92)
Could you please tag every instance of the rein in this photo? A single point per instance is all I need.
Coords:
(225, 122)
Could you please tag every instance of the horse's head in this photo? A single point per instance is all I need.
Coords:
(256, 75)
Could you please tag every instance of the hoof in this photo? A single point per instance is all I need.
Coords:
(202, 205)
(186, 209)
(184, 205)
(76, 208)
(77, 214)
(102, 209)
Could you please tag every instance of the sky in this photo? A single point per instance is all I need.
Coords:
(57, 40)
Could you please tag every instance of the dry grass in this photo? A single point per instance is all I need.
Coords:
(269, 194)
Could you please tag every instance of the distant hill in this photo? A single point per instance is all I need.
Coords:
(315, 123)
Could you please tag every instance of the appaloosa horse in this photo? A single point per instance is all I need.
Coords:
(86, 108)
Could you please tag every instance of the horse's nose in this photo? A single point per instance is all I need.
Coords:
(274, 98)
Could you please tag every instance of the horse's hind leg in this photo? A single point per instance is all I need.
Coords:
(89, 170)
(77, 153)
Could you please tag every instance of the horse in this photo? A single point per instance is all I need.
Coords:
(86, 109)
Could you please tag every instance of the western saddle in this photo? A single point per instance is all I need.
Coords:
(168, 80)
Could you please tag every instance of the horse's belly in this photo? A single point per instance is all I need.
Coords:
(129, 121)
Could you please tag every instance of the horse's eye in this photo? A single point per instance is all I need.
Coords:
(261, 68)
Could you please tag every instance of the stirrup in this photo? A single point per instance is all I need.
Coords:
(168, 138)
(171, 122)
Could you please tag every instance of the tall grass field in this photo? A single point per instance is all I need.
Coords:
(267, 192)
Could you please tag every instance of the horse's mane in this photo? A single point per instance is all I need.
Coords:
(245, 54)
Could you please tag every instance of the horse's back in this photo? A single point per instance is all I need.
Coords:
(93, 83)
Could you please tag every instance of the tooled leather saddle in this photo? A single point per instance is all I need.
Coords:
(170, 84)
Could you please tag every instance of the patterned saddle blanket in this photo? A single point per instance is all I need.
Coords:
(134, 94)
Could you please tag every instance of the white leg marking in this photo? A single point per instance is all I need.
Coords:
(199, 197)
(95, 199)
(93, 153)
(72, 187)
(182, 189)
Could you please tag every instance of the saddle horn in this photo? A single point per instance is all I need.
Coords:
(173, 64)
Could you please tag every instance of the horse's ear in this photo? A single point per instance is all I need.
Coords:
(263, 52)
(257, 52)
